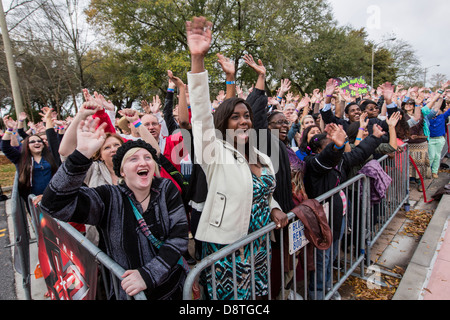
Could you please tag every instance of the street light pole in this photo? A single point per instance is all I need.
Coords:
(373, 56)
(17, 98)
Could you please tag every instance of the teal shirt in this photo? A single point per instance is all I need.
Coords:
(427, 115)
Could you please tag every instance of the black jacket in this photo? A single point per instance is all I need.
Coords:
(283, 191)
(328, 169)
(108, 208)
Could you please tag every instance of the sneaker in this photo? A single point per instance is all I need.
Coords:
(435, 176)
(294, 296)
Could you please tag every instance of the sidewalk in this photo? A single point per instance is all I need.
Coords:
(428, 274)
(38, 286)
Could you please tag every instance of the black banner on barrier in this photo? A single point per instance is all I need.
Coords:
(69, 270)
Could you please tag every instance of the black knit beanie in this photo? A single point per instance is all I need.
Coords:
(120, 153)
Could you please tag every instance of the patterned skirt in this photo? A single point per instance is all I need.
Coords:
(419, 153)
(224, 279)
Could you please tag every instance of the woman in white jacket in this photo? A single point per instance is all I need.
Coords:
(240, 179)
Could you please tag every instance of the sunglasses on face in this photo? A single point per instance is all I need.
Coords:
(35, 141)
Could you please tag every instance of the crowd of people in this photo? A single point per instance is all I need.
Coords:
(139, 184)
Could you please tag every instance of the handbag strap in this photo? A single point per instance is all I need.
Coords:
(144, 227)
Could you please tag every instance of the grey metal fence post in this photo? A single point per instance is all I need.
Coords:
(22, 238)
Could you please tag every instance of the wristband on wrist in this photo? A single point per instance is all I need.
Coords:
(8, 132)
(230, 82)
(279, 98)
(362, 129)
(137, 123)
(358, 139)
(170, 90)
(329, 96)
(340, 147)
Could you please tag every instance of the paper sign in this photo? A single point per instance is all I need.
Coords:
(297, 239)
(354, 85)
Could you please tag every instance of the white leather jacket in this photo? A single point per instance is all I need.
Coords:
(226, 214)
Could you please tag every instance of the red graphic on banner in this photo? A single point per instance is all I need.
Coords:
(70, 271)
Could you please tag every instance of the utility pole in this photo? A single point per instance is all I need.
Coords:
(17, 98)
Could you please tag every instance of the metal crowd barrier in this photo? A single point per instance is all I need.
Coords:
(22, 238)
(101, 258)
(380, 215)
(362, 226)
(363, 223)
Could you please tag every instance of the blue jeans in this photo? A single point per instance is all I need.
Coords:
(323, 260)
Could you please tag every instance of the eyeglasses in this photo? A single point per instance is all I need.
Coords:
(35, 141)
(281, 122)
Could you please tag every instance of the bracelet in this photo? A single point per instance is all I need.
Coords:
(340, 147)
(9, 132)
(230, 82)
(137, 123)
(441, 91)
(358, 139)
(170, 90)
(362, 129)
(280, 98)
(329, 96)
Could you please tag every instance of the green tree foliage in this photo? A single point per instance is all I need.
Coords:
(295, 39)
(299, 40)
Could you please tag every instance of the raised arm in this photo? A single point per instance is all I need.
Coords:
(65, 198)
(259, 69)
(258, 99)
(183, 111)
(230, 73)
(168, 107)
(198, 33)
(132, 116)
(326, 112)
(69, 141)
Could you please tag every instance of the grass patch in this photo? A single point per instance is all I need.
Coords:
(7, 173)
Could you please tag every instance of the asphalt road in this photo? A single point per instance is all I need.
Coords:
(7, 285)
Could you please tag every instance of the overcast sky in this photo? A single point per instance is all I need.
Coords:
(425, 24)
